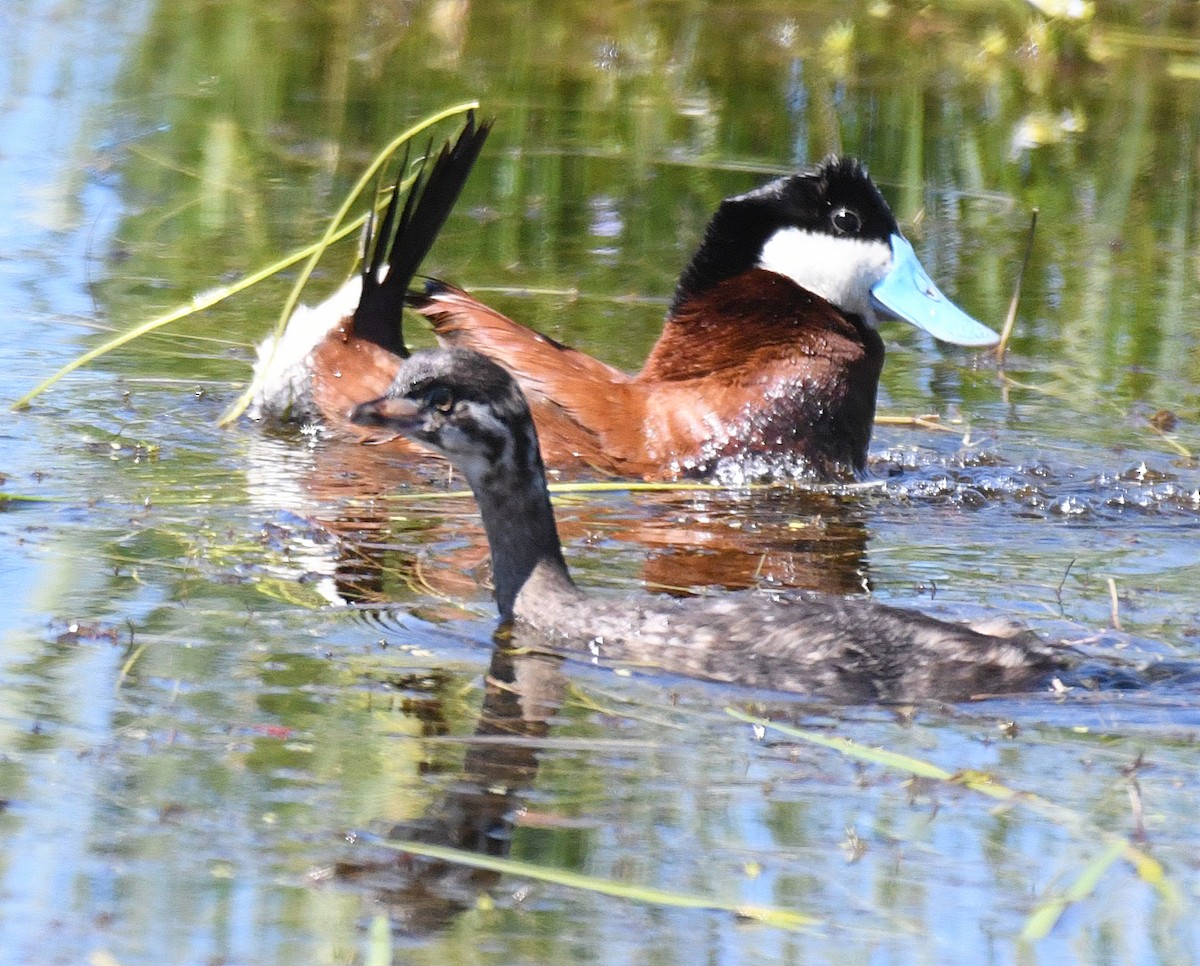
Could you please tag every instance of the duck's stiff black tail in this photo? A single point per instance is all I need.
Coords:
(406, 238)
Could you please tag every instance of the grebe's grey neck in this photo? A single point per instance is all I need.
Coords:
(470, 410)
(527, 560)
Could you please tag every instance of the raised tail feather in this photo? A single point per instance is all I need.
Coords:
(406, 237)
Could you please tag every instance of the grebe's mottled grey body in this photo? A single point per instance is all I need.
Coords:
(469, 409)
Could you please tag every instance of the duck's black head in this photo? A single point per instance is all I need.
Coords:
(462, 405)
(832, 209)
(829, 230)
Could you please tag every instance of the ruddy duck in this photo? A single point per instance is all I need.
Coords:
(769, 351)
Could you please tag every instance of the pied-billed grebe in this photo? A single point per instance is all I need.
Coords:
(768, 358)
(469, 409)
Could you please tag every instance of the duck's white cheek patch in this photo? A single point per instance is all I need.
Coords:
(840, 270)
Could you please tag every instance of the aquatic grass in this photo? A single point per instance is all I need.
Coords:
(127, 666)
(178, 496)
(545, 743)
(199, 303)
(1039, 923)
(338, 228)
(585, 699)
(380, 951)
(633, 486)
(1171, 441)
(15, 499)
(290, 592)
(1133, 39)
(1010, 319)
(647, 895)
(1071, 386)
(190, 551)
(930, 421)
(416, 580)
(568, 489)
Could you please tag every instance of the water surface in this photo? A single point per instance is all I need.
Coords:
(230, 665)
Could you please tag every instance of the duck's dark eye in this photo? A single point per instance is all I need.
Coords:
(440, 398)
(845, 221)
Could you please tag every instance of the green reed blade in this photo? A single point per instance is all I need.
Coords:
(337, 230)
(1043, 918)
(772, 916)
(1148, 869)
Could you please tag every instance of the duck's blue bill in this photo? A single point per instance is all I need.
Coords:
(908, 293)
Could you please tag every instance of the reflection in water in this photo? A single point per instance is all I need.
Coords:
(367, 554)
(697, 539)
(805, 539)
(522, 694)
(484, 801)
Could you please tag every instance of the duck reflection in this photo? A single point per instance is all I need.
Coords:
(692, 540)
(522, 694)
(808, 540)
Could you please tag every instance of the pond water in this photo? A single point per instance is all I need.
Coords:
(238, 663)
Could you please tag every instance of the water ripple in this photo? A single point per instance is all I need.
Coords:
(1043, 490)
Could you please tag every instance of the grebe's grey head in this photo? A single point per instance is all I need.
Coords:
(464, 406)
